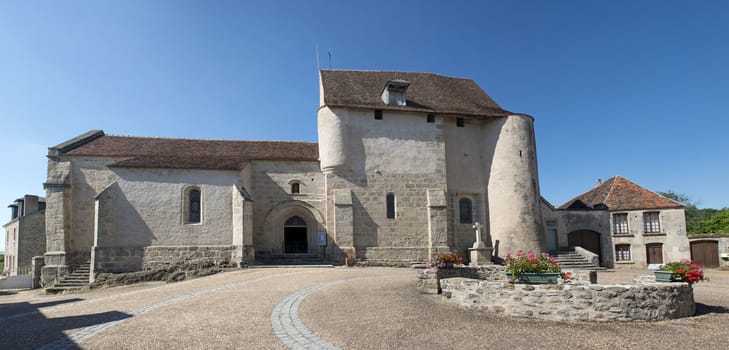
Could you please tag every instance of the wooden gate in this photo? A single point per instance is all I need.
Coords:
(705, 253)
(654, 253)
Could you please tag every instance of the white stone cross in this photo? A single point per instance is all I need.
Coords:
(478, 243)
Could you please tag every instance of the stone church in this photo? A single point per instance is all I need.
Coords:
(405, 165)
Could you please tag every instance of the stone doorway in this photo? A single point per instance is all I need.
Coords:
(587, 239)
(296, 236)
(654, 253)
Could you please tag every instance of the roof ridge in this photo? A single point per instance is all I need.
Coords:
(197, 139)
(393, 71)
(610, 189)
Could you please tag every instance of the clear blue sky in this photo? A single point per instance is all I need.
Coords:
(631, 88)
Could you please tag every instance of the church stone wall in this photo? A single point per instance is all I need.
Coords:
(400, 154)
(89, 176)
(270, 186)
(152, 203)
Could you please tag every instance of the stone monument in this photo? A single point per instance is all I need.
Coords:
(480, 253)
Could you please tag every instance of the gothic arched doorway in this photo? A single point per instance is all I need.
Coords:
(587, 239)
(295, 236)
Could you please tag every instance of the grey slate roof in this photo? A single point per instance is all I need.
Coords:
(430, 93)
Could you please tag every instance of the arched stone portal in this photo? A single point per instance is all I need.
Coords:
(291, 228)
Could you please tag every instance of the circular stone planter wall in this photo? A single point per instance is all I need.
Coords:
(566, 302)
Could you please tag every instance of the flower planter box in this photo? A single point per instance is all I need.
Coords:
(664, 276)
(537, 278)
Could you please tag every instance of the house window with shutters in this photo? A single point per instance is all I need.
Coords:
(620, 224)
(651, 222)
(622, 252)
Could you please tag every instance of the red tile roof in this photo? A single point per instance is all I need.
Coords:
(151, 152)
(427, 92)
(618, 193)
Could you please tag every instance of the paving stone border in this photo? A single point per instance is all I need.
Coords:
(288, 326)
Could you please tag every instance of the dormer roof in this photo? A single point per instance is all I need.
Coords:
(426, 92)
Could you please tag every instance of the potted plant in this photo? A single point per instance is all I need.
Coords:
(533, 268)
(680, 271)
(447, 260)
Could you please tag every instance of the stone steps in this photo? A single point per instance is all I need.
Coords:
(569, 260)
(292, 260)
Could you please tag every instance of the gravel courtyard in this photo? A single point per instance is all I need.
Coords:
(346, 308)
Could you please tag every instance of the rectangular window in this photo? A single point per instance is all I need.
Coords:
(390, 198)
(465, 211)
(622, 252)
(431, 118)
(651, 222)
(378, 114)
(620, 224)
(460, 122)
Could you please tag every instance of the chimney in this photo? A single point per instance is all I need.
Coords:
(395, 92)
(599, 183)
(31, 204)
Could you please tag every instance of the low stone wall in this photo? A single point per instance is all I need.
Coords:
(129, 259)
(567, 302)
(117, 260)
(156, 257)
(429, 279)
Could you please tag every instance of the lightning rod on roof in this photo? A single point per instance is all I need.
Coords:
(316, 47)
(330, 59)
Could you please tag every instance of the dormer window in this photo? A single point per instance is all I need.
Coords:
(395, 92)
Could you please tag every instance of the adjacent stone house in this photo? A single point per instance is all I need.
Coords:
(625, 224)
(24, 234)
(710, 250)
(405, 165)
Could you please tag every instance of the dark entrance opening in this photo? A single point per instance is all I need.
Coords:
(295, 237)
(587, 239)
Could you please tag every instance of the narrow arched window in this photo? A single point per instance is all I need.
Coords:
(390, 199)
(193, 206)
(295, 187)
(465, 211)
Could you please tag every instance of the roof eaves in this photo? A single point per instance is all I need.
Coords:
(75, 142)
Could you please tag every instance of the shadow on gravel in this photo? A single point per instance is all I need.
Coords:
(18, 308)
(703, 309)
(25, 326)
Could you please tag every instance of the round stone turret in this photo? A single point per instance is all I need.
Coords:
(513, 188)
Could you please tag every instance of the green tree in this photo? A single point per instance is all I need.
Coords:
(697, 220)
(718, 222)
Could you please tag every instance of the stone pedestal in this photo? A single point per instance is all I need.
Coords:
(480, 255)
